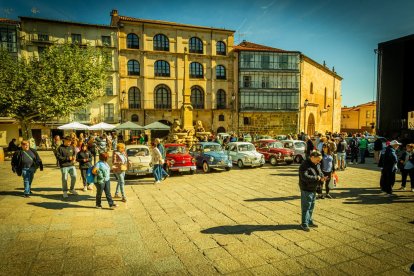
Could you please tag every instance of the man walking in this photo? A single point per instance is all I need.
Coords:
(310, 176)
(363, 147)
(389, 168)
(353, 145)
(25, 163)
(66, 156)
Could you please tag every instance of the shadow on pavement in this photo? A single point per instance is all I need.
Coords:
(247, 229)
(370, 196)
(57, 205)
(286, 174)
(274, 198)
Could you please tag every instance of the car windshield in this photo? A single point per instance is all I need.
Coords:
(246, 147)
(176, 149)
(137, 152)
(208, 148)
(276, 145)
(288, 145)
(299, 145)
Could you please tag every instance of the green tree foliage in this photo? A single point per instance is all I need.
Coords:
(66, 78)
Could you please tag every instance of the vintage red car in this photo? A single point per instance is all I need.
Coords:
(178, 159)
(274, 151)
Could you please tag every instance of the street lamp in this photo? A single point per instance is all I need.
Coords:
(305, 104)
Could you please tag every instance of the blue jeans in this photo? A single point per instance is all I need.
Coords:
(162, 172)
(121, 183)
(307, 201)
(71, 170)
(106, 186)
(362, 155)
(28, 174)
(157, 172)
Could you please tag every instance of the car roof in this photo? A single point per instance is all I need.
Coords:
(208, 143)
(268, 140)
(136, 146)
(240, 143)
(174, 145)
(293, 141)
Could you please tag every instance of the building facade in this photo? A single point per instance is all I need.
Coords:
(152, 71)
(359, 118)
(282, 92)
(395, 87)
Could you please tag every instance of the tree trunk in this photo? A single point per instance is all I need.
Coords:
(26, 129)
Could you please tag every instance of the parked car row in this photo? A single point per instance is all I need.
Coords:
(211, 155)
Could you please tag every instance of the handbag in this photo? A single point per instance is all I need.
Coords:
(332, 183)
(124, 167)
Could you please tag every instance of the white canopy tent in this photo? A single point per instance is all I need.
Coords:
(102, 126)
(73, 126)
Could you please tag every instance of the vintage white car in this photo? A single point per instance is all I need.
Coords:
(139, 159)
(244, 154)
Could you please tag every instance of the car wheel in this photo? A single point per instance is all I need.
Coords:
(273, 161)
(298, 159)
(228, 168)
(289, 162)
(240, 164)
(192, 171)
(206, 167)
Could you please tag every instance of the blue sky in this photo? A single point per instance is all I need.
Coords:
(343, 33)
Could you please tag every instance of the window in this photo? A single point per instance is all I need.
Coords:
(220, 72)
(82, 115)
(133, 68)
(368, 114)
(134, 118)
(196, 70)
(132, 41)
(109, 112)
(221, 99)
(311, 88)
(325, 99)
(106, 40)
(336, 95)
(247, 81)
(221, 118)
(134, 98)
(41, 50)
(197, 97)
(42, 37)
(246, 60)
(265, 82)
(221, 48)
(161, 68)
(247, 120)
(162, 97)
(264, 100)
(109, 89)
(76, 38)
(161, 43)
(196, 45)
(8, 39)
(265, 61)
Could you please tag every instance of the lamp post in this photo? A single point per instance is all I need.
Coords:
(305, 104)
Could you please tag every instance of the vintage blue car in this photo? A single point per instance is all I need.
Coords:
(210, 155)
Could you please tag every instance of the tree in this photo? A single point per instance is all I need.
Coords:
(64, 79)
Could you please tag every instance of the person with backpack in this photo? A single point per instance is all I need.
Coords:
(353, 144)
(102, 181)
(388, 161)
(84, 158)
(406, 162)
(24, 163)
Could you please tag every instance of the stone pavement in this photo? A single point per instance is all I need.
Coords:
(242, 222)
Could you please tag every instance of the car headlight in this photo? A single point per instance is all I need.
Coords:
(172, 162)
(246, 158)
(211, 158)
(193, 160)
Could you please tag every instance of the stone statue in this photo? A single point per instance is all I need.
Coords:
(176, 127)
(199, 127)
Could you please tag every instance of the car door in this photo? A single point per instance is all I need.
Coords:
(264, 149)
(232, 152)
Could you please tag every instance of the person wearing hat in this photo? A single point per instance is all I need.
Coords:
(67, 156)
(389, 167)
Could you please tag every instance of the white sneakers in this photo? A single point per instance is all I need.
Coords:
(65, 194)
(157, 182)
(85, 188)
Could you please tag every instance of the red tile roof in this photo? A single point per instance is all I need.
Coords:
(8, 21)
(250, 46)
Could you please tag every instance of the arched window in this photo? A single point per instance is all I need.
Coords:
(132, 41)
(196, 70)
(221, 118)
(161, 68)
(311, 88)
(161, 43)
(220, 72)
(221, 99)
(196, 45)
(134, 118)
(134, 97)
(197, 97)
(133, 68)
(221, 48)
(162, 97)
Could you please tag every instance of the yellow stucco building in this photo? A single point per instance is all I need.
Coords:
(359, 118)
(151, 69)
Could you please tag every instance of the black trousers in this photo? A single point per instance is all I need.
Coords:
(83, 174)
(404, 174)
(104, 187)
(387, 180)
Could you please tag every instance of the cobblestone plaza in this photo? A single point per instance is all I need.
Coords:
(241, 222)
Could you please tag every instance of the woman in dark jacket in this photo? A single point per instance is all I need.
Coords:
(25, 163)
(84, 157)
(310, 177)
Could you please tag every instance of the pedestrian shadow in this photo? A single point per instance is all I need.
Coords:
(11, 193)
(139, 182)
(273, 198)
(248, 229)
(369, 196)
(57, 205)
(46, 189)
(52, 166)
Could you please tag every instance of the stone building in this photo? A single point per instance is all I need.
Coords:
(39, 33)
(152, 71)
(359, 118)
(282, 92)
